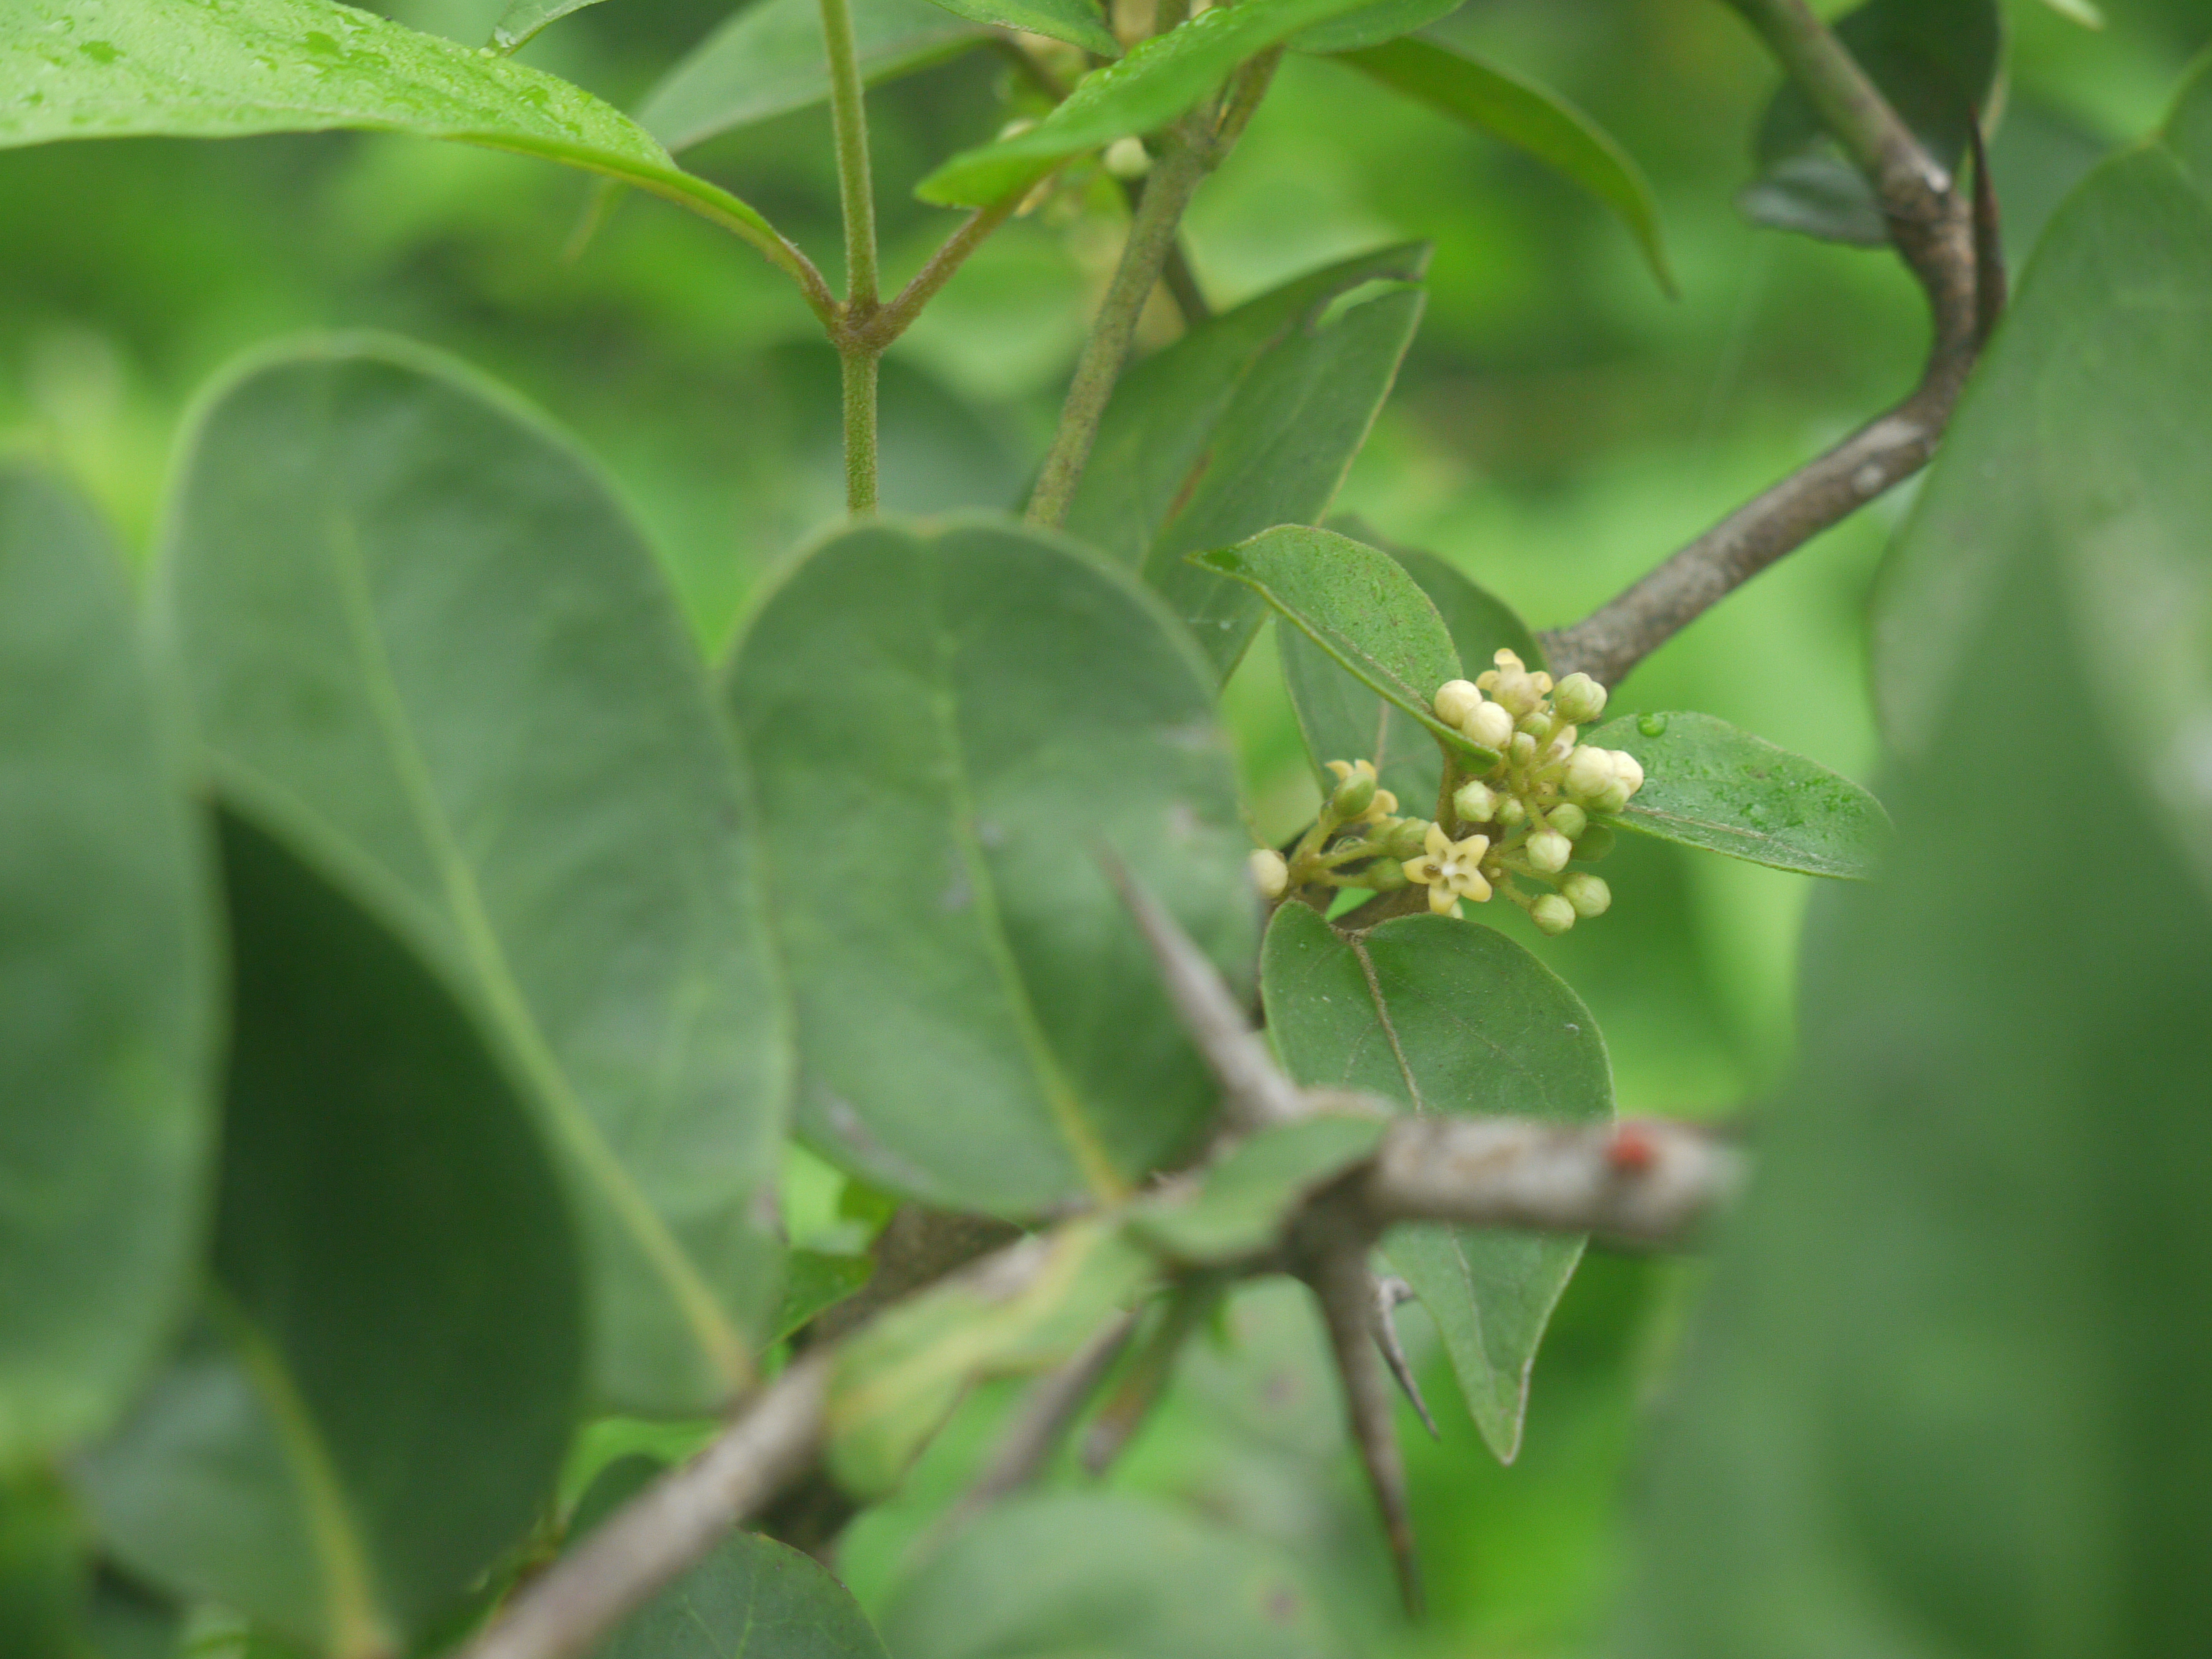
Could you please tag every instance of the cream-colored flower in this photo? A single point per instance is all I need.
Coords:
(1355, 777)
(1452, 870)
(1269, 873)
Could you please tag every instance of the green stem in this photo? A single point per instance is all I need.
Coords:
(1168, 190)
(860, 364)
(848, 114)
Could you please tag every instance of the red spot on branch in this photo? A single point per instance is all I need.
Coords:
(1632, 1152)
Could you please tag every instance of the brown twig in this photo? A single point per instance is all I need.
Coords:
(1932, 228)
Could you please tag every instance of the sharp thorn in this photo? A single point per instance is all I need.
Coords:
(1390, 1292)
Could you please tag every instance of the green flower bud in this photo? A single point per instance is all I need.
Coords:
(1594, 843)
(1354, 795)
(1579, 698)
(1407, 838)
(1475, 803)
(1383, 876)
(1536, 725)
(1511, 814)
(1548, 851)
(1489, 725)
(1551, 914)
(1611, 798)
(1269, 873)
(1569, 820)
(1588, 894)
(1523, 748)
(1517, 692)
(1456, 700)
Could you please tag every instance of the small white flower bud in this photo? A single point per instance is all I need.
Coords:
(1588, 894)
(1456, 700)
(1569, 820)
(1579, 698)
(1549, 851)
(1127, 158)
(1611, 798)
(1523, 748)
(1511, 814)
(1476, 803)
(1489, 725)
(1516, 691)
(1588, 771)
(1269, 873)
(1628, 770)
(1551, 914)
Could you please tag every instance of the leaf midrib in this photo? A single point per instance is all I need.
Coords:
(1067, 1110)
(722, 1344)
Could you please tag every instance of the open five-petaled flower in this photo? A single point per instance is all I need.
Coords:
(1452, 870)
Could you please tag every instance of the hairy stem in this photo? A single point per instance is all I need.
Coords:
(857, 353)
(1167, 192)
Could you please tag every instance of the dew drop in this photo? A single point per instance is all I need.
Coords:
(1651, 726)
(100, 52)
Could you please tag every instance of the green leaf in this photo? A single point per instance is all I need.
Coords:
(1531, 118)
(1251, 420)
(1342, 719)
(1709, 784)
(190, 68)
(1946, 1392)
(1448, 1017)
(751, 1598)
(815, 1281)
(946, 727)
(898, 1380)
(1078, 23)
(524, 18)
(45, 1580)
(425, 643)
(1159, 79)
(107, 988)
(2081, 436)
(1239, 1205)
(1936, 61)
(1107, 1576)
(377, 1405)
(1374, 23)
(769, 60)
(1361, 608)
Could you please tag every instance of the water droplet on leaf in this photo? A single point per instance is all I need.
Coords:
(1651, 726)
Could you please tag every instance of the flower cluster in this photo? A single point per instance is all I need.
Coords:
(1512, 827)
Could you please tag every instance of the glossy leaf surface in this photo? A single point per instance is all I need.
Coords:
(116, 69)
(1529, 117)
(1936, 61)
(379, 1399)
(424, 641)
(1948, 1391)
(1448, 1016)
(1078, 23)
(898, 1380)
(815, 1281)
(524, 18)
(1343, 719)
(2082, 435)
(1240, 1204)
(1360, 607)
(945, 728)
(1249, 420)
(1107, 1576)
(1159, 80)
(1711, 784)
(769, 60)
(107, 986)
(751, 1598)
(1374, 23)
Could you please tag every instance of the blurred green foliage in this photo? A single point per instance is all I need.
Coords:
(1559, 426)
